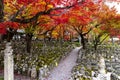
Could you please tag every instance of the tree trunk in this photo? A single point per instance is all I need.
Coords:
(95, 46)
(83, 41)
(10, 34)
(1, 11)
(96, 42)
(28, 42)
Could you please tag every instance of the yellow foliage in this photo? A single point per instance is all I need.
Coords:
(42, 3)
(72, 20)
(49, 6)
(55, 34)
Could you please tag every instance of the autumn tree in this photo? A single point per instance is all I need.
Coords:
(80, 19)
(29, 11)
(98, 35)
(21, 11)
(104, 20)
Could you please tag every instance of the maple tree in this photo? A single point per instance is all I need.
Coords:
(98, 35)
(80, 19)
(25, 11)
(105, 18)
(39, 27)
(40, 7)
(115, 24)
(29, 11)
(15, 12)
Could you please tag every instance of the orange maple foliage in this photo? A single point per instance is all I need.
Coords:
(27, 9)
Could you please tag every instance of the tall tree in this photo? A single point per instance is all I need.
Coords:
(104, 20)
(80, 19)
(17, 10)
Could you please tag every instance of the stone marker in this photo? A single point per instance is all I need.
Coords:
(8, 63)
(33, 72)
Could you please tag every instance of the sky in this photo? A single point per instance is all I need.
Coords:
(117, 6)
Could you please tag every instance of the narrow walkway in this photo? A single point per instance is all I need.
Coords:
(63, 70)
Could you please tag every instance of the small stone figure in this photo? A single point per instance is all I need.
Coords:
(33, 72)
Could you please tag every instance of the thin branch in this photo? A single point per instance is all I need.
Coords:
(76, 29)
(17, 13)
(88, 31)
(81, 28)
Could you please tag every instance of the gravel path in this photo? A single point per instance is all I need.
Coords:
(63, 70)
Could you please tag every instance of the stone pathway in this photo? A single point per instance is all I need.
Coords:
(63, 70)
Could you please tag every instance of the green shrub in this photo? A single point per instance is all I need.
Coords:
(1, 78)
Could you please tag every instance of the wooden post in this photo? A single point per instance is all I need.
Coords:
(8, 63)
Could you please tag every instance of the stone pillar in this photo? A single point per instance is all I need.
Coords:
(33, 72)
(8, 63)
(102, 72)
(43, 72)
(102, 65)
